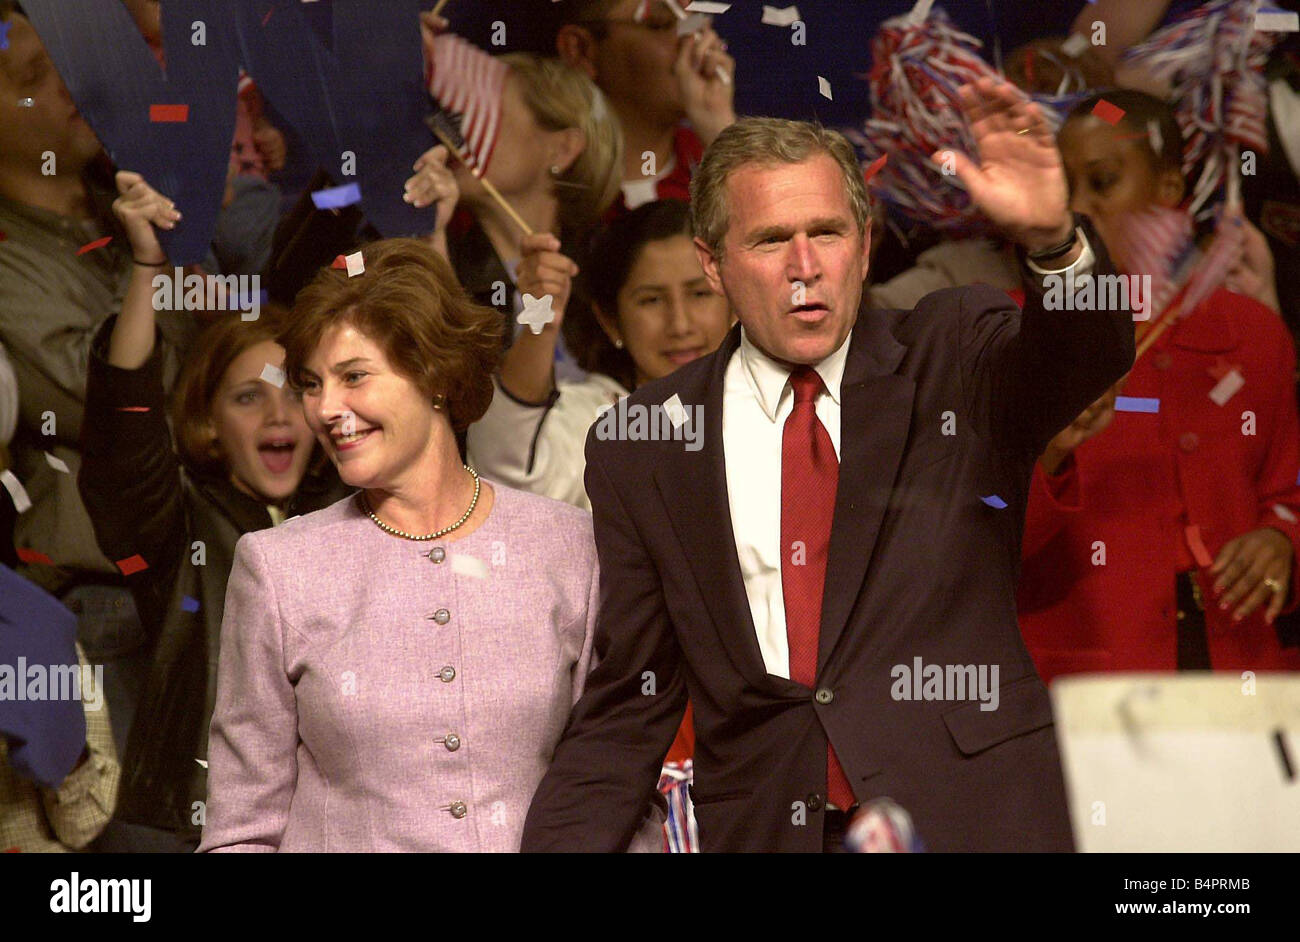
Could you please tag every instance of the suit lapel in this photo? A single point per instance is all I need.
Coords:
(875, 414)
(693, 486)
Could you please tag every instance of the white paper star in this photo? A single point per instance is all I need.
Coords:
(537, 312)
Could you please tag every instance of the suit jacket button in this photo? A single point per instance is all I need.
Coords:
(1162, 361)
(437, 554)
(1188, 441)
(452, 742)
(814, 802)
(458, 809)
(447, 674)
(824, 695)
(442, 616)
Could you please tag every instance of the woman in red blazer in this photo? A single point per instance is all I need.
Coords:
(1161, 534)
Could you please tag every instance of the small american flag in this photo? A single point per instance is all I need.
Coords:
(468, 84)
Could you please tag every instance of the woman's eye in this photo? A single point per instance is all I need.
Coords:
(646, 301)
(1102, 183)
(353, 376)
(245, 398)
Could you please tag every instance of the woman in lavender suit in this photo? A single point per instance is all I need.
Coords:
(396, 669)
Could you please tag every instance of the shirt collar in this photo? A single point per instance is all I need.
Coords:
(769, 379)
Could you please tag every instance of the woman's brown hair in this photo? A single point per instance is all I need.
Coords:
(217, 347)
(409, 302)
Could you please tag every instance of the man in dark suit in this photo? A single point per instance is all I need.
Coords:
(830, 577)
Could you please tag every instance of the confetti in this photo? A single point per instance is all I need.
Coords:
(169, 114)
(56, 463)
(1285, 513)
(1227, 387)
(132, 408)
(1136, 404)
(676, 411)
(537, 312)
(273, 375)
(202, 762)
(189, 604)
(97, 244)
(268, 15)
(354, 264)
(824, 87)
(1075, 45)
(33, 557)
(336, 197)
(703, 6)
(780, 16)
(4, 34)
(1272, 20)
(470, 566)
(1111, 114)
(994, 501)
(132, 565)
(692, 24)
(1197, 546)
(22, 503)
(874, 168)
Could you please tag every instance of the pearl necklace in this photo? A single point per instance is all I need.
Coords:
(428, 536)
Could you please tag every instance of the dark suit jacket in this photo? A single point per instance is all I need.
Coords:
(919, 567)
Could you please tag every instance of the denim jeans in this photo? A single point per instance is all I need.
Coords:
(111, 635)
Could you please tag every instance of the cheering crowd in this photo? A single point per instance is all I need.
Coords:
(362, 576)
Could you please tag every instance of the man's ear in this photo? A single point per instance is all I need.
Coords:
(1170, 187)
(711, 265)
(577, 47)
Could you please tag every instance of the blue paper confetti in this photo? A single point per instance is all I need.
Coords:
(1136, 404)
(4, 34)
(188, 604)
(336, 197)
(994, 501)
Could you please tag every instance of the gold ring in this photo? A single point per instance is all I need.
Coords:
(1273, 585)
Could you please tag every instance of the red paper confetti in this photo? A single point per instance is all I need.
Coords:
(31, 556)
(97, 244)
(1109, 113)
(874, 169)
(169, 114)
(132, 408)
(1197, 546)
(13, 850)
(339, 262)
(132, 564)
(268, 15)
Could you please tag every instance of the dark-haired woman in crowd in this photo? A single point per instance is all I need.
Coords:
(397, 668)
(1161, 532)
(650, 311)
(242, 461)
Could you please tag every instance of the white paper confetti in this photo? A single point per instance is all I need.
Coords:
(1075, 45)
(356, 264)
(780, 16)
(22, 503)
(824, 87)
(273, 375)
(1277, 21)
(470, 566)
(692, 24)
(1227, 387)
(537, 312)
(56, 463)
(704, 6)
(204, 762)
(675, 410)
(1285, 513)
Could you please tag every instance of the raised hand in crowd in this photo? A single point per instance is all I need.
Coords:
(709, 101)
(528, 369)
(434, 184)
(1254, 273)
(1019, 182)
(139, 207)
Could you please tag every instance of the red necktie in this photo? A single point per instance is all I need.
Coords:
(810, 474)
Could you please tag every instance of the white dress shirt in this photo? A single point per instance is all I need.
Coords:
(756, 400)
